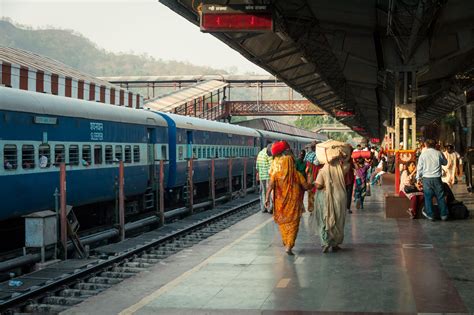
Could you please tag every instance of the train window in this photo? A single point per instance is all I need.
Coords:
(28, 156)
(73, 155)
(194, 153)
(199, 153)
(128, 154)
(59, 154)
(44, 156)
(98, 154)
(136, 154)
(109, 154)
(180, 153)
(164, 153)
(118, 153)
(10, 158)
(213, 152)
(86, 155)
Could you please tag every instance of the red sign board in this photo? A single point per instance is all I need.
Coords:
(341, 113)
(375, 140)
(236, 18)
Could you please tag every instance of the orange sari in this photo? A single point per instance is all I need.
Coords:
(288, 185)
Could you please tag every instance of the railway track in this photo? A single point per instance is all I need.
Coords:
(110, 268)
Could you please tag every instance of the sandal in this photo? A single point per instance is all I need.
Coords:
(412, 216)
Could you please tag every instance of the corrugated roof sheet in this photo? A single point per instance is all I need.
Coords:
(168, 102)
(46, 64)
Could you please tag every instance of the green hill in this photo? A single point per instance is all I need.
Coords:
(79, 52)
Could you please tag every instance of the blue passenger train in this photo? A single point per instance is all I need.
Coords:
(39, 131)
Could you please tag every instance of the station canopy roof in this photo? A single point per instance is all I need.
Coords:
(170, 101)
(343, 55)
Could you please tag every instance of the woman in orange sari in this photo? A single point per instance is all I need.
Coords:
(288, 186)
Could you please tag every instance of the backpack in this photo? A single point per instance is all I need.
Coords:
(458, 210)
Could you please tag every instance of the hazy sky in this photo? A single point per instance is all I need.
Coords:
(139, 26)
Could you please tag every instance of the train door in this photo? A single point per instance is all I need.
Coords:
(189, 144)
(151, 142)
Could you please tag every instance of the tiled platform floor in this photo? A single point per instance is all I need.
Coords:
(386, 265)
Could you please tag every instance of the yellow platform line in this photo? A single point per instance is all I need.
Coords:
(170, 285)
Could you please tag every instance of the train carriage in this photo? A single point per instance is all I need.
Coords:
(204, 140)
(38, 131)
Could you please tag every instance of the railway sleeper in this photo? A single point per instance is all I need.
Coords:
(61, 300)
(160, 252)
(125, 269)
(147, 260)
(155, 257)
(103, 280)
(91, 286)
(133, 264)
(118, 275)
(44, 308)
(77, 293)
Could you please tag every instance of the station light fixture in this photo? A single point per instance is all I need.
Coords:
(236, 18)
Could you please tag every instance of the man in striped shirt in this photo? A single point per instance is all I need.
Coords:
(264, 161)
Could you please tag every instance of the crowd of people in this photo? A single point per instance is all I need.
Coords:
(333, 184)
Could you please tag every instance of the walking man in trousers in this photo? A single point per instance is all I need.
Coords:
(264, 161)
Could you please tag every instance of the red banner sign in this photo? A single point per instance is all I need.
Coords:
(375, 140)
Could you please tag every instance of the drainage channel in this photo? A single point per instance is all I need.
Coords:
(59, 294)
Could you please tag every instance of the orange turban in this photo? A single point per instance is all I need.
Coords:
(279, 147)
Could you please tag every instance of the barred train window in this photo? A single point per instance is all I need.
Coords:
(194, 153)
(44, 156)
(164, 155)
(73, 155)
(136, 154)
(10, 158)
(86, 155)
(28, 156)
(128, 154)
(59, 154)
(180, 153)
(109, 155)
(118, 152)
(98, 154)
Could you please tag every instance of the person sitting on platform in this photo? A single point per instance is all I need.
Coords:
(409, 190)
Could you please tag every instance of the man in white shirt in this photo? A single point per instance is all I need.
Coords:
(429, 171)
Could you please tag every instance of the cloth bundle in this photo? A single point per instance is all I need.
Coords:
(331, 150)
